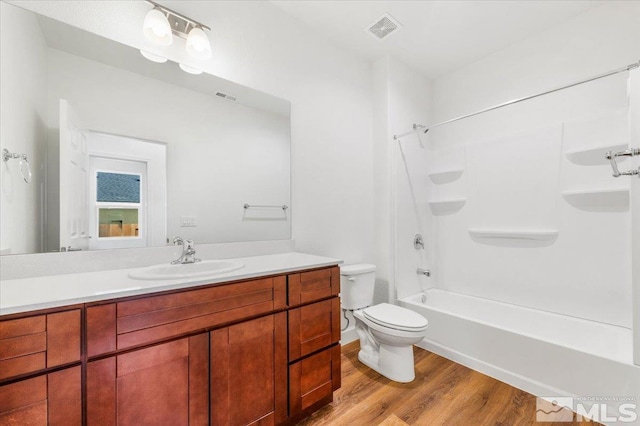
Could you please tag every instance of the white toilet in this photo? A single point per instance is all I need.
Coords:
(387, 332)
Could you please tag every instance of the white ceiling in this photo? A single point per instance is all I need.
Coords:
(437, 36)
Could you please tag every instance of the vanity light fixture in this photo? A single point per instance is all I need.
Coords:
(162, 23)
(190, 70)
(153, 57)
(156, 27)
(198, 44)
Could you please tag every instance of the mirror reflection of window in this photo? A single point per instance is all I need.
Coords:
(116, 222)
(118, 204)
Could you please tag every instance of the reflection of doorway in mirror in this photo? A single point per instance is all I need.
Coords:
(118, 205)
(127, 192)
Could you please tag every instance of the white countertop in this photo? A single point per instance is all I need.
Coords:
(28, 294)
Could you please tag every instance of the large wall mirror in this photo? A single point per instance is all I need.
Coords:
(107, 149)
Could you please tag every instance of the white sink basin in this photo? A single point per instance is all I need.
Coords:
(186, 270)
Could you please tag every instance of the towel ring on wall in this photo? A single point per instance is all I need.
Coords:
(25, 167)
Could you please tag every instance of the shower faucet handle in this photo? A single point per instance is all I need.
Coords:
(425, 272)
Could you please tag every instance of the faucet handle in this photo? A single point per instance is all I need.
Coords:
(425, 272)
(178, 240)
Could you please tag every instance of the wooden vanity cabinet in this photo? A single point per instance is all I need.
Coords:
(256, 352)
(314, 335)
(40, 371)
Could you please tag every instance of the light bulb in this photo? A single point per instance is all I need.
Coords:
(156, 27)
(198, 44)
(190, 70)
(153, 57)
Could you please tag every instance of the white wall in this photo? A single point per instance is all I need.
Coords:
(22, 104)
(585, 272)
(409, 103)
(256, 44)
(401, 98)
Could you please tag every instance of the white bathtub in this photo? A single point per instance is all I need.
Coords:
(540, 352)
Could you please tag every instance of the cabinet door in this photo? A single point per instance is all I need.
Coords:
(249, 372)
(50, 399)
(162, 384)
(313, 380)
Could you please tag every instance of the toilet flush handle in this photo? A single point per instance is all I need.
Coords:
(351, 279)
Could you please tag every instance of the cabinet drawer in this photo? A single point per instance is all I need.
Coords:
(313, 327)
(50, 399)
(312, 380)
(313, 285)
(135, 322)
(34, 343)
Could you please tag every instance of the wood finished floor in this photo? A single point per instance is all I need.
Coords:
(443, 393)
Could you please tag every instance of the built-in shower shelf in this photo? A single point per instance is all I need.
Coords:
(607, 199)
(594, 156)
(445, 176)
(515, 234)
(443, 207)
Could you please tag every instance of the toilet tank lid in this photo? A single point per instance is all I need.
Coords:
(355, 269)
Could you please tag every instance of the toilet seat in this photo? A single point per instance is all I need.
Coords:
(395, 317)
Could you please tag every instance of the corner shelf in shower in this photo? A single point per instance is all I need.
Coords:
(594, 156)
(445, 176)
(607, 199)
(515, 234)
(443, 207)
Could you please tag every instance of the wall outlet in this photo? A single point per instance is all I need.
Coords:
(187, 221)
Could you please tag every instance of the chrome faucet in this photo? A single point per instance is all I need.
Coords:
(188, 252)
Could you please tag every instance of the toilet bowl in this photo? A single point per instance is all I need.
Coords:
(387, 332)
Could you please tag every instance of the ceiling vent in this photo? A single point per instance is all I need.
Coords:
(225, 96)
(383, 27)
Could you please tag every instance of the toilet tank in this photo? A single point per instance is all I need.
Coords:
(357, 284)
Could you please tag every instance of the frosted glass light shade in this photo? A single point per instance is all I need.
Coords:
(153, 57)
(198, 44)
(156, 28)
(190, 70)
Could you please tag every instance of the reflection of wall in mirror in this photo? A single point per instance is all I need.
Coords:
(23, 130)
(220, 155)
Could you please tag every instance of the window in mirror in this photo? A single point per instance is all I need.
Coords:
(113, 190)
(118, 213)
(118, 188)
(118, 222)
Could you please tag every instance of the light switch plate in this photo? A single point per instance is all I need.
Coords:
(187, 221)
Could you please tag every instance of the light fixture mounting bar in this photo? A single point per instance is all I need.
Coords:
(180, 24)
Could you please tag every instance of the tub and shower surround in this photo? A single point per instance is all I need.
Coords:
(531, 240)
